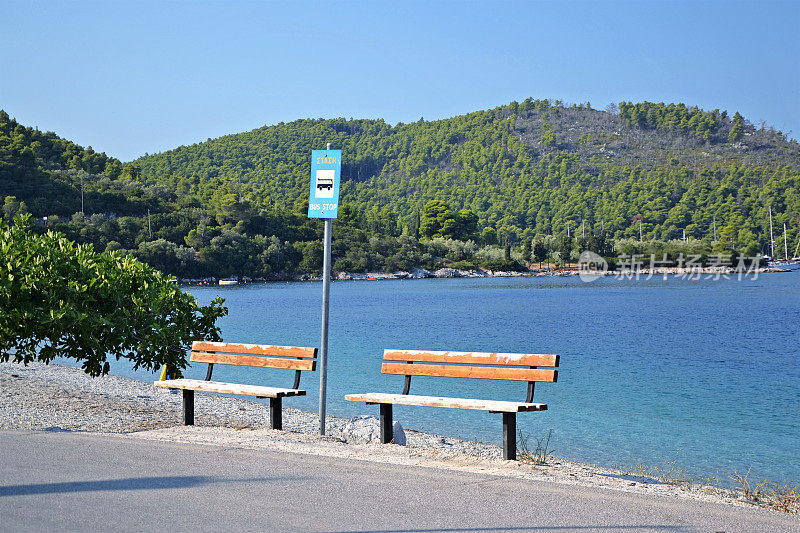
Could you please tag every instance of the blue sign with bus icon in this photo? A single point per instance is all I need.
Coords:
(323, 197)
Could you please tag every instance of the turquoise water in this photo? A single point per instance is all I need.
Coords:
(706, 372)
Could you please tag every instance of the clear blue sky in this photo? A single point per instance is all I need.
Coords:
(135, 77)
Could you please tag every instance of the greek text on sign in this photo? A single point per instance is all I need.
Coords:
(323, 197)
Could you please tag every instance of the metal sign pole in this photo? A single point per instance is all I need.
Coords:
(323, 352)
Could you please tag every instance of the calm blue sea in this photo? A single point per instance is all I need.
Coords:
(703, 372)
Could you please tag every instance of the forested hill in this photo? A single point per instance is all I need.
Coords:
(525, 169)
(494, 188)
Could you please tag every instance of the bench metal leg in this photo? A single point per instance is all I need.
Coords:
(188, 407)
(510, 436)
(386, 423)
(275, 414)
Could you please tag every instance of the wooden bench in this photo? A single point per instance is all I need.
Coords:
(256, 355)
(501, 366)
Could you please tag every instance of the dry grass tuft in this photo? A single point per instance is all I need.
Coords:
(765, 493)
(540, 455)
(670, 472)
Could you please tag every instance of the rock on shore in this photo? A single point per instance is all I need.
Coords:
(367, 428)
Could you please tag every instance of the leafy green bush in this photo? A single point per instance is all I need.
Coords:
(463, 265)
(501, 265)
(61, 299)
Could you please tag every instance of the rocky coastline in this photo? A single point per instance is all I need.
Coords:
(710, 272)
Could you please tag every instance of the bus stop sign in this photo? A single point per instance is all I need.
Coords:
(323, 198)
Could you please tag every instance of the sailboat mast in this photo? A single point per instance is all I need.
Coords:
(785, 246)
(771, 238)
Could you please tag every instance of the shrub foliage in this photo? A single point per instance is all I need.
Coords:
(62, 299)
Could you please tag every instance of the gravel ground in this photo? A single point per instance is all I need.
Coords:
(59, 398)
(54, 397)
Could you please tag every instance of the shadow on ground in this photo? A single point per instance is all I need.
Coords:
(135, 483)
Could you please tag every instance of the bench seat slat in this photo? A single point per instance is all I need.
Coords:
(253, 360)
(478, 372)
(472, 358)
(255, 349)
(458, 403)
(229, 388)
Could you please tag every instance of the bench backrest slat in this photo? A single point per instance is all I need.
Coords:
(253, 360)
(472, 358)
(256, 355)
(503, 366)
(255, 349)
(477, 372)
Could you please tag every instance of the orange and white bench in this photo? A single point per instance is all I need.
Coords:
(256, 355)
(501, 366)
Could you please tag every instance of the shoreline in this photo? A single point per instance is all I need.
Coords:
(60, 398)
(450, 273)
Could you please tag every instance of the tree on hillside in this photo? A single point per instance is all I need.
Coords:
(439, 221)
(599, 244)
(489, 236)
(526, 251)
(565, 249)
(539, 252)
(435, 216)
(737, 131)
(13, 207)
(549, 137)
(61, 299)
(466, 228)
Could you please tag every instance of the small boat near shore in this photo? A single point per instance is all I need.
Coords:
(785, 265)
(228, 282)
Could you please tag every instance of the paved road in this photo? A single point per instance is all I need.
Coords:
(73, 481)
